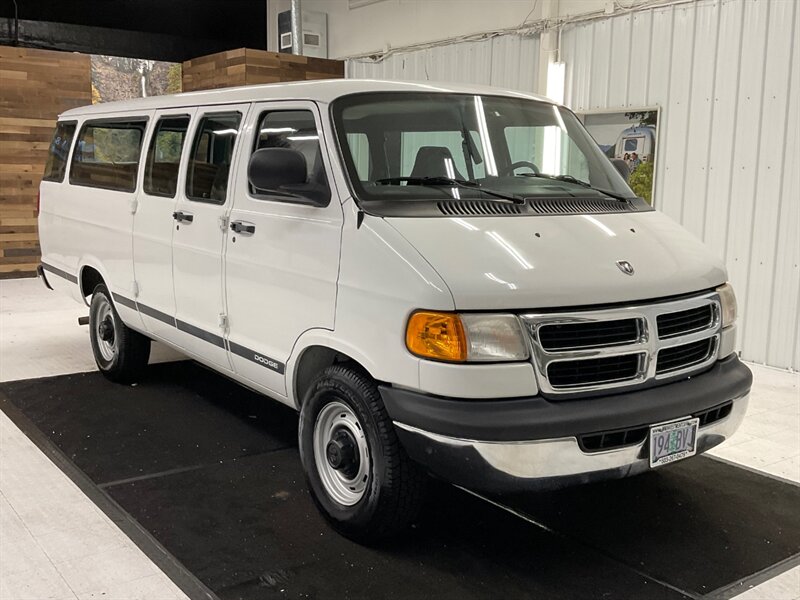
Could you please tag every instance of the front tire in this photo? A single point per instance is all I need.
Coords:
(120, 352)
(360, 477)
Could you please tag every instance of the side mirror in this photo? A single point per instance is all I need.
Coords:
(622, 168)
(274, 168)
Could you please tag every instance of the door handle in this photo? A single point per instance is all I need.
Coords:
(243, 227)
(183, 217)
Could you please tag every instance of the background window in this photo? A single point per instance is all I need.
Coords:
(107, 155)
(295, 130)
(59, 150)
(420, 153)
(548, 148)
(164, 156)
(212, 152)
(359, 149)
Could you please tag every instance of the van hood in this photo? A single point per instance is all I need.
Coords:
(566, 260)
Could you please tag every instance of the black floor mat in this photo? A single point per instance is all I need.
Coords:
(699, 524)
(211, 471)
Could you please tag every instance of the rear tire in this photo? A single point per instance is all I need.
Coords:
(120, 352)
(360, 477)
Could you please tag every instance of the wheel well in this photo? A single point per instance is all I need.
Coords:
(90, 278)
(313, 360)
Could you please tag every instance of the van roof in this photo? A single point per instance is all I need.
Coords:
(320, 91)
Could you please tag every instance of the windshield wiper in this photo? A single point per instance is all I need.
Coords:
(576, 181)
(446, 181)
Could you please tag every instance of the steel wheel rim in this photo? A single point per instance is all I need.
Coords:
(334, 417)
(105, 318)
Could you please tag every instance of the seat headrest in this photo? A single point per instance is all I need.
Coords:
(435, 161)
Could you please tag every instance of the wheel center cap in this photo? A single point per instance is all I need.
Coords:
(341, 453)
(106, 330)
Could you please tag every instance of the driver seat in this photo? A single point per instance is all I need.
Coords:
(435, 161)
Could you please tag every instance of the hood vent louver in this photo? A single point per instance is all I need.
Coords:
(577, 206)
(469, 208)
(534, 206)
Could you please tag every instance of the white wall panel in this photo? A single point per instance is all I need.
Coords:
(725, 73)
(723, 132)
(700, 112)
(508, 61)
(777, 223)
(641, 47)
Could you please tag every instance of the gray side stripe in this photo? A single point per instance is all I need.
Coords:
(124, 301)
(60, 273)
(264, 361)
(156, 314)
(211, 338)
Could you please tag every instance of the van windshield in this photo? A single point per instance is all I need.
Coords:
(395, 144)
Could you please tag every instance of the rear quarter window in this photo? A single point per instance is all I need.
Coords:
(107, 154)
(59, 151)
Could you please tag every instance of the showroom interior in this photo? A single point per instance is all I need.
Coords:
(399, 299)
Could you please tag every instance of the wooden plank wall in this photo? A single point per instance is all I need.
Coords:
(245, 66)
(35, 86)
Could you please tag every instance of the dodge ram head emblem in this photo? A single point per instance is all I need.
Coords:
(625, 267)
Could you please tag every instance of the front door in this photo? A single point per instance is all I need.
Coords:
(282, 254)
(199, 233)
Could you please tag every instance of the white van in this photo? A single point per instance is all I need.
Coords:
(441, 279)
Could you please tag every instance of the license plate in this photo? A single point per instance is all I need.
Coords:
(673, 441)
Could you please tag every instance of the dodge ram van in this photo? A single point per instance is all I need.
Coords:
(447, 280)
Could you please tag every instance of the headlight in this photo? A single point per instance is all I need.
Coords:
(466, 337)
(727, 300)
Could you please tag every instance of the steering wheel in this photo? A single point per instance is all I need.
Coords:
(519, 164)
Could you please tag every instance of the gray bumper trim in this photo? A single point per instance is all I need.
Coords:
(542, 464)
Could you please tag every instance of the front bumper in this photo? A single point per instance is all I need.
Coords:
(532, 443)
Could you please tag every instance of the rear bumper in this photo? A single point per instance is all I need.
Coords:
(532, 443)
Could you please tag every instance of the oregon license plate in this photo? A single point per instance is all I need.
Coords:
(673, 441)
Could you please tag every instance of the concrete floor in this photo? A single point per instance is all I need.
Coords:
(55, 543)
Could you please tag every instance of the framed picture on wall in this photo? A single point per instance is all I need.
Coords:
(123, 78)
(631, 135)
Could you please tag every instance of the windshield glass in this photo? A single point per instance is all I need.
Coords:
(399, 146)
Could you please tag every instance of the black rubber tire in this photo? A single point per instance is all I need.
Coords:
(133, 351)
(396, 485)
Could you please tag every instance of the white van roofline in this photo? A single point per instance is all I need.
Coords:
(324, 91)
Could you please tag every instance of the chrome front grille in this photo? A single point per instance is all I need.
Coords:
(614, 348)
(686, 355)
(565, 336)
(608, 369)
(685, 321)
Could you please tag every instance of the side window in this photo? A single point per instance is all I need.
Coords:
(164, 156)
(107, 154)
(525, 143)
(295, 130)
(210, 162)
(548, 148)
(421, 154)
(359, 150)
(59, 150)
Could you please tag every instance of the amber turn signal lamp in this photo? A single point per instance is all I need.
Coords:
(436, 335)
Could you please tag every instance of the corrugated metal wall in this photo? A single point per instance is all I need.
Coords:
(508, 61)
(725, 74)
